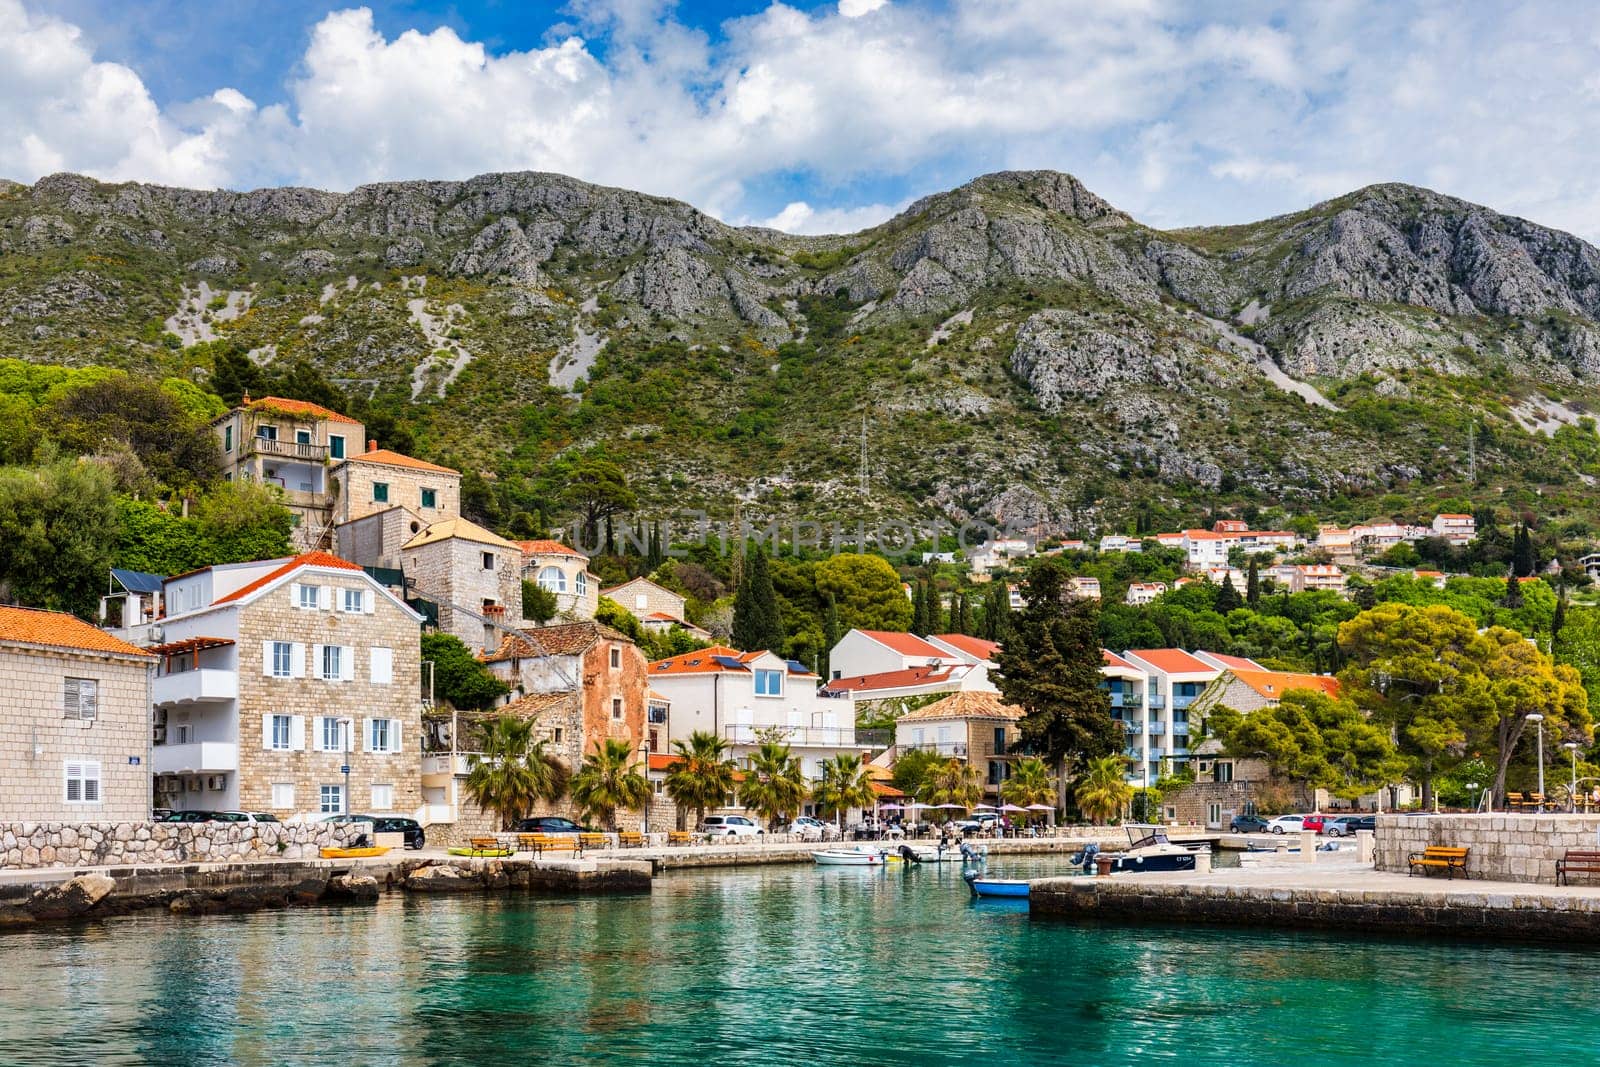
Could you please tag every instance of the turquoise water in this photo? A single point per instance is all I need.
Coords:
(766, 966)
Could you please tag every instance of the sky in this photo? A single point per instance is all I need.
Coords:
(824, 116)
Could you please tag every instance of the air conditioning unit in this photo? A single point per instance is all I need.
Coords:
(217, 782)
(160, 735)
(158, 634)
(160, 717)
(193, 785)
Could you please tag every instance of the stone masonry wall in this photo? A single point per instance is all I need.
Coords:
(1507, 848)
(356, 480)
(36, 739)
(97, 844)
(273, 617)
(453, 569)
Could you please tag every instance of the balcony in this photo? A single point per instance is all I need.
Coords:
(1179, 701)
(194, 687)
(1157, 701)
(957, 749)
(1133, 726)
(1118, 698)
(1155, 754)
(1179, 752)
(823, 736)
(439, 767)
(1131, 753)
(1180, 729)
(1157, 729)
(196, 757)
(287, 449)
(657, 716)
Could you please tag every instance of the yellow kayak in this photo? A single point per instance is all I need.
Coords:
(352, 853)
(480, 853)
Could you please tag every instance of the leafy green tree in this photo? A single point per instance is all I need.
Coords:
(1513, 596)
(513, 773)
(538, 603)
(58, 528)
(459, 678)
(702, 778)
(1228, 597)
(844, 784)
(756, 622)
(1050, 667)
(609, 779)
(774, 786)
(241, 521)
(137, 414)
(1030, 782)
(1520, 681)
(597, 489)
(952, 781)
(1314, 738)
(1103, 790)
(866, 591)
(912, 768)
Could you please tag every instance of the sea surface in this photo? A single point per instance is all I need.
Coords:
(776, 966)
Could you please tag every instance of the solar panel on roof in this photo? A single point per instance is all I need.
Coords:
(137, 581)
(728, 661)
(796, 666)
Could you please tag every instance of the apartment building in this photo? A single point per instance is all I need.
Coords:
(1140, 593)
(472, 576)
(866, 652)
(276, 676)
(1302, 577)
(1119, 543)
(75, 736)
(1084, 587)
(291, 444)
(1151, 692)
(1459, 530)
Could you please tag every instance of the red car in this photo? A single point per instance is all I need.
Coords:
(1315, 823)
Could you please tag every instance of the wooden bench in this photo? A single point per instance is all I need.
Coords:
(630, 839)
(482, 843)
(1440, 857)
(1582, 860)
(679, 837)
(1515, 801)
(587, 841)
(1535, 802)
(539, 844)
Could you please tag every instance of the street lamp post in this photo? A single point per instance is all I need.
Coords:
(349, 729)
(1572, 790)
(1538, 721)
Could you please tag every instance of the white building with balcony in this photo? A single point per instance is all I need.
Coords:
(1459, 530)
(1151, 690)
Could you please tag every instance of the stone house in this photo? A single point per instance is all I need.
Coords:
(977, 728)
(564, 571)
(645, 598)
(376, 540)
(379, 479)
(75, 732)
(275, 675)
(471, 574)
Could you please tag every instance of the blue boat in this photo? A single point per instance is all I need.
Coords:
(984, 886)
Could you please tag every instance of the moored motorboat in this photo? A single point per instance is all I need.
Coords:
(848, 857)
(1149, 850)
(984, 886)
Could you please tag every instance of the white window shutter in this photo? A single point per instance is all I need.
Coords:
(382, 665)
(297, 732)
(326, 599)
(394, 735)
(294, 595)
(266, 658)
(369, 601)
(366, 734)
(266, 731)
(316, 661)
(347, 663)
(297, 660)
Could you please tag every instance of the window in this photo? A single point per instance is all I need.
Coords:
(282, 659)
(330, 799)
(330, 735)
(1223, 772)
(227, 438)
(80, 698)
(83, 781)
(267, 433)
(558, 735)
(302, 437)
(616, 707)
(382, 665)
(380, 492)
(580, 583)
(283, 796)
(553, 579)
(769, 683)
(999, 740)
(383, 797)
(616, 658)
(488, 561)
(336, 445)
(430, 498)
(182, 733)
(996, 773)
(280, 738)
(661, 786)
(380, 735)
(332, 663)
(308, 597)
(355, 601)
(641, 601)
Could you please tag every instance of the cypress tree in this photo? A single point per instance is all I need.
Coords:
(1523, 560)
(934, 610)
(1252, 585)
(961, 620)
(1513, 597)
(611, 538)
(657, 555)
(830, 636)
(1227, 596)
(919, 609)
(1559, 619)
(756, 622)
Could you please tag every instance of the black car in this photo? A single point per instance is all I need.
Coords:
(190, 816)
(1347, 825)
(389, 824)
(549, 824)
(1248, 824)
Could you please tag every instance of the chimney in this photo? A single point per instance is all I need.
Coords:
(372, 444)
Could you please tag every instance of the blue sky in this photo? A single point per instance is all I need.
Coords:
(823, 116)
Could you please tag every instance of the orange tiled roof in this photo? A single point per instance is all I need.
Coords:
(1114, 660)
(972, 646)
(968, 704)
(388, 458)
(309, 559)
(893, 679)
(885, 790)
(548, 548)
(1171, 660)
(701, 661)
(298, 407)
(1235, 663)
(905, 644)
(57, 629)
(1273, 684)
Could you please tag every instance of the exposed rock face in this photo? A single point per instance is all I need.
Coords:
(72, 899)
(1068, 354)
(443, 878)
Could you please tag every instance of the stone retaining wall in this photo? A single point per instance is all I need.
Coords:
(1504, 848)
(28, 845)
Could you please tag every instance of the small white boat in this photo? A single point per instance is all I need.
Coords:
(848, 857)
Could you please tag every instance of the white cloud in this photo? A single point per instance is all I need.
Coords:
(1181, 122)
(800, 217)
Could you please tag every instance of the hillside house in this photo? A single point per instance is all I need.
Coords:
(473, 576)
(1458, 530)
(1140, 593)
(563, 571)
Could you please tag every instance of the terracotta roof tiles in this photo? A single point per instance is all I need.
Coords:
(57, 629)
(309, 559)
(388, 458)
(968, 704)
(905, 644)
(298, 407)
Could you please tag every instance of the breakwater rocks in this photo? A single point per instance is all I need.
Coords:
(481, 875)
(1425, 910)
(37, 845)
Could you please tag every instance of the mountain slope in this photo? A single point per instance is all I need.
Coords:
(1020, 348)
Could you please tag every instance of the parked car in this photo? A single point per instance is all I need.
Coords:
(190, 816)
(1287, 824)
(730, 826)
(245, 816)
(1248, 824)
(388, 824)
(1314, 823)
(549, 824)
(1347, 825)
(982, 822)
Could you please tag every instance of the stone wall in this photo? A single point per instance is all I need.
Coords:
(452, 569)
(357, 478)
(37, 740)
(26, 845)
(1507, 848)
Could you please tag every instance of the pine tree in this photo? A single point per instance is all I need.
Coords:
(1252, 585)
(1227, 597)
(1513, 597)
(611, 538)
(756, 621)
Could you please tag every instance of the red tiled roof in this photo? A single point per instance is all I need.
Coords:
(893, 679)
(662, 761)
(905, 644)
(1171, 660)
(1273, 684)
(1235, 663)
(548, 548)
(885, 790)
(298, 407)
(1114, 660)
(388, 458)
(309, 559)
(700, 662)
(57, 629)
(968, 704)
(972, 646)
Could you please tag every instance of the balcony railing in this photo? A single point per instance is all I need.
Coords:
(1180, 729)
(1157, 701)
(1179, 701)
(196, 757)
(837, 736)
(1157, 728)
(1117, 700)
(656, 716)
(190, 687)
(957, 749)
(266, 446)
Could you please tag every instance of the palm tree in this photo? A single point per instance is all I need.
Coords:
(774, 787)
(1030, 782)
(845, 784)
(1103, 791)
(952, 782)
(513, 772)
(703, 778)
(608, 781)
